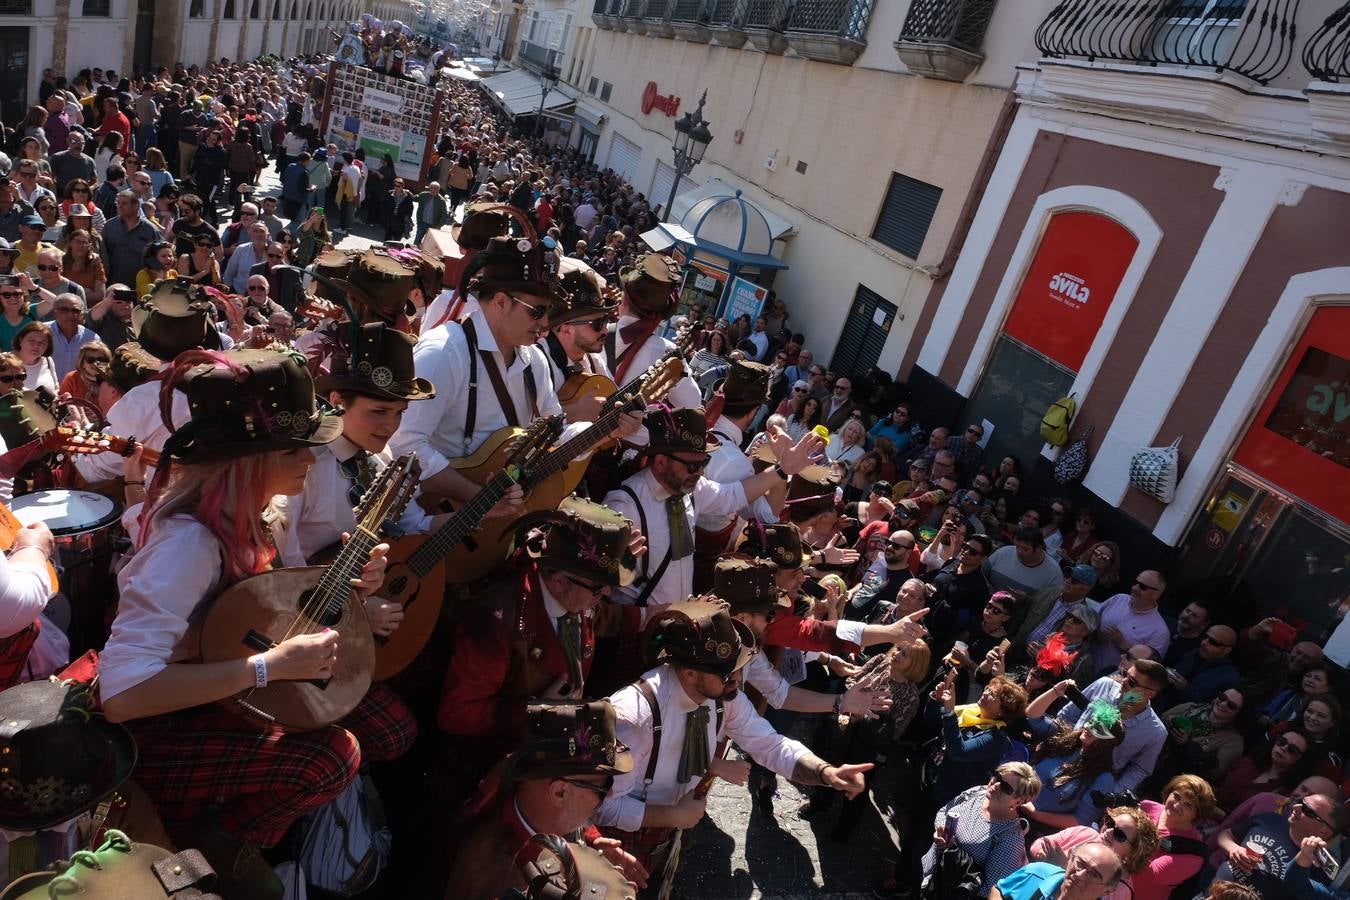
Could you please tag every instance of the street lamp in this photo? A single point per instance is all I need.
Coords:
(549, 77)
(692, 138)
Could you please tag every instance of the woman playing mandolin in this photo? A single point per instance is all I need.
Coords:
(223, 783)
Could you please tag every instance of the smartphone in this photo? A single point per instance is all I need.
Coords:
(1328, 863)
(1077, 698)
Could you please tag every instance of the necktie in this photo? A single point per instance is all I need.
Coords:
(694, 753)
(681, 538)
(569, 632)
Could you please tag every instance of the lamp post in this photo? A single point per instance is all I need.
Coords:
(692, 138)
(549, 77)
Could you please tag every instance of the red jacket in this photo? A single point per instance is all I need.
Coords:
(791, 630)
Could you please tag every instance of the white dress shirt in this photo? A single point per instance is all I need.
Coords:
(321, 512)
(24, 590)
(685, 394)
(727, 464)
(591, 363)
(627, 803)
(136, 415)
(678, 581)
(763, 677)
(434, 429)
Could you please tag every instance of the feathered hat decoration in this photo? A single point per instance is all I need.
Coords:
(1103, 720)
(1053, 658)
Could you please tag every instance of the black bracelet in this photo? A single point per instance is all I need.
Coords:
(129, 483)
(781, 474)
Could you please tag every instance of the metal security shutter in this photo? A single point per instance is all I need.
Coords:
(864, 335)
(624, 156)
(661, 181)
(906, 214)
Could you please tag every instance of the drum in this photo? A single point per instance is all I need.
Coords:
(86, 529)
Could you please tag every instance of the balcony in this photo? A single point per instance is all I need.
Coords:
(765, 22)
(1252, 38)
(1327, 57)
(689, 20)
(727, 22)
(944, 38)
(631, 16)
(833, 31)
(536, 57)
(606, 14)
(658, 18)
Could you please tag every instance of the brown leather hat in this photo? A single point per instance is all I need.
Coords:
(482, 222)
(584, 538)
(335, 264)
(173, 317)
(57, 757)
(380, 283)
(746, 383)
(678, 430)
(589, 295)
(652, 284)
(515, 264)
(779, 543)
(377, 361)
(810, 494)
(749, 585)
(263, 401)
(25, 416)
(131, 366)
(701, 634)
(569, 738)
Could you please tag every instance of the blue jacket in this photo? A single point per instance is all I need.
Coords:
(969, 755)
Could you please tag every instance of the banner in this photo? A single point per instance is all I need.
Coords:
(1070, 285)
(383, 115)
(745, 297)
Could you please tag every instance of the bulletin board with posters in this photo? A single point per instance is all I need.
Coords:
(383, 114)
(703, 282)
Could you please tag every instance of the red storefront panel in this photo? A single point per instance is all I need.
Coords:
(1300, 438)
(1070, 284)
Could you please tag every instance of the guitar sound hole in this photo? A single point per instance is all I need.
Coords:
(328, 615)
(398, 584)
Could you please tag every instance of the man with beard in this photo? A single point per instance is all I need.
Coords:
(576, 343)
(672, 720)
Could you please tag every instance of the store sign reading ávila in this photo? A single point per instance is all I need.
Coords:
(651, 99)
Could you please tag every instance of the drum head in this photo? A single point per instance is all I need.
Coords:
(65, 512)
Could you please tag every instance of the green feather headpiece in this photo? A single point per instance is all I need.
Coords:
(1103, 719)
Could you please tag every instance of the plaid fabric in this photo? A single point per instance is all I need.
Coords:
(651, 846)
(263, 779)
(14, 652)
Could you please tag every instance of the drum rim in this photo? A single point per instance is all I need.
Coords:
(114, 515)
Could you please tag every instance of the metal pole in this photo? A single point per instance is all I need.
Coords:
(680, 161)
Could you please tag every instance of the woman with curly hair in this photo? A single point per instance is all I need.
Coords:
(1127, 830)
(1070, 762)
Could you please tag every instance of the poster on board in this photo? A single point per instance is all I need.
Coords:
(383, 116)
(744, 297)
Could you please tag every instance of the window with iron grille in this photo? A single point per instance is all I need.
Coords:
(196, 9)
(229, 10)
(16, 7)
(906, 214)
(97, 8)
(253, 11)
(276, 10)
(606, 91)
(593, 85)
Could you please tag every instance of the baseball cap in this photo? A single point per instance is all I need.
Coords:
(907, 508)
(1084, 574)
(33, 221)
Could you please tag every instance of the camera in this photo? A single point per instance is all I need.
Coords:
(813, 589)
(1106, 799)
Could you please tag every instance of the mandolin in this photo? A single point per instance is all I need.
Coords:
(260, 612)
(416, 574)
(67, 439)
(583, 385)
(556, 473)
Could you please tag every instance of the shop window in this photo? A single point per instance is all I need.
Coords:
(16, 7)
(276, 10)
(906, 214)
(606, 91)
(1017, 388)
(594, 84)
(196, 9)
(253, 11)
(97, 8)
(229, 10)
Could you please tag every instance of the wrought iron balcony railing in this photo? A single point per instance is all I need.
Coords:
(1254, 38)
(1327, 53)
(537, 56)
(842, 18)
(765, 21)
(944, 38)
(658, 18)
(606, 13)
(689, 20)
(728, 22)
(631, 16)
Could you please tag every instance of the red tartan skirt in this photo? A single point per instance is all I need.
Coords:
(261, 778)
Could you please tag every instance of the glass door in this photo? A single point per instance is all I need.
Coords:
(13, 74)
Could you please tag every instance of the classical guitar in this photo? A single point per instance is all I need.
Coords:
(260, 612)
(67, 439)
(416, 573)
(556, 473)
(582, 386)
(10, 526)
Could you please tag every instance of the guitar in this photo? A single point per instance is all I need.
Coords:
(556, 473)
(415, 576)
(582, 386)
(10, 526)
(71, 440)
(260, 612)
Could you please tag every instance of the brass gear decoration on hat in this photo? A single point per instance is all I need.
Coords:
(46, 794)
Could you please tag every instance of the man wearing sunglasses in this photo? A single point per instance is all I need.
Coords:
(1136, 756)
(191, 227)
(488, 370)
(576, 342)
(1044, 614)
(111, 316)
(70, 334)
(694, 694)
(1133, 618)
(553, 783)
(1091, 872)
(1261, 850)
(665, 496)
(1205, 672)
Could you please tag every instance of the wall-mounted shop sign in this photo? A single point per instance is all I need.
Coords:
(652, 99)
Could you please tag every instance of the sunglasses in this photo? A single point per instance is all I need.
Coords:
(897, 545)
(997, 610)
(691, 467)
(1209, 640)
(602, 790)
(1117, 833)
(1002, 784)
(600, 324)
(1229, 702)
(275, 256)
(1289, 745)
(595, 589)
(1311, 813)
(11, 379)
(56, 267)
(1147, 587)
(256, 288)
(971, 548)
(799, 390)
(68, 309)
(536, 312)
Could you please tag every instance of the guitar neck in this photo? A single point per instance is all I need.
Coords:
(561, 457)
(449, 536)
(334, 586)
